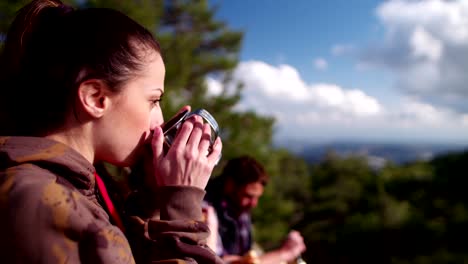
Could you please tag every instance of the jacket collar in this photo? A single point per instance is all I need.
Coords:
(51, 155)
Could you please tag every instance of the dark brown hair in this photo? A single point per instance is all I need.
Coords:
(244, 170)
(51, 49)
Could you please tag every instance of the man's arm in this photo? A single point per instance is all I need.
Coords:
(290, 250)
(277, 256)
(211, 219)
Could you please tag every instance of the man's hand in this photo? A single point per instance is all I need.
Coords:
(290, 250)
(250, 258)
(293, 246)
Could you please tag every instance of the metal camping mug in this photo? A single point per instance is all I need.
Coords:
(171, 127)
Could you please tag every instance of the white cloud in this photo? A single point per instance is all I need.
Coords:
(274, 82)
(426, 46)
(320, 64)
(353, 102)
(341, 49)
(214, 86)
(321, 110)
(447, 18)
(282, 86)
(464, 120)
(413, 112)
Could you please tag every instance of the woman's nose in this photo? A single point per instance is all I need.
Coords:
(157, 119)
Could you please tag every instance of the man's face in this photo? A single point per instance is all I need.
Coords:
(247, 196)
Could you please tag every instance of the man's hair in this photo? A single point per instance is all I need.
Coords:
(244, 170)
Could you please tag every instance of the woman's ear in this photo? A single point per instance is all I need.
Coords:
(93, 95)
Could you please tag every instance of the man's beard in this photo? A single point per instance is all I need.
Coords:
(237, 208)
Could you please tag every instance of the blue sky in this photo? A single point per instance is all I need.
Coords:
(354, 70)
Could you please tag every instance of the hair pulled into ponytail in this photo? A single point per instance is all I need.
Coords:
(50, 49)
(28, 20)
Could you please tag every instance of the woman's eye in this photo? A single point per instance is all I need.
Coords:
(155, 102)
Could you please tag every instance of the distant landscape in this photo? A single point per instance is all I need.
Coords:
(377, 153)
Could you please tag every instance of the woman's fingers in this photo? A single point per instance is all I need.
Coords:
(183, 135)
(215, 154)
(157, 143)
(194, 140)
(191, 158)
(205, 140)
(194, 137)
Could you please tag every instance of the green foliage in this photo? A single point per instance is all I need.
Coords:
(414, 213)
(284, 200)
(8, 10)
(146, 12)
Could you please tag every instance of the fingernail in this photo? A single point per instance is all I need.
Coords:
(157, 131)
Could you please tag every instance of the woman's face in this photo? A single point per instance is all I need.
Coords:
(132, 114)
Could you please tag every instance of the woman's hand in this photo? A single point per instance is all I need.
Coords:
(187, 161)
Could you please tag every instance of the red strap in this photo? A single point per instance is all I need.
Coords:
(110, 206)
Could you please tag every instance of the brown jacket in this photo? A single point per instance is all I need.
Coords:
(49, 213)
